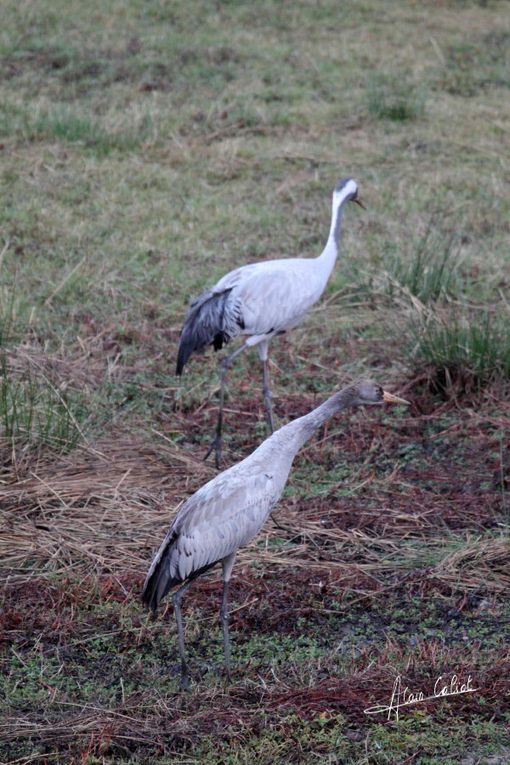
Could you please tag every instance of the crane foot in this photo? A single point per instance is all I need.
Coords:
(185, 682)
(227, 675)
(215, 447)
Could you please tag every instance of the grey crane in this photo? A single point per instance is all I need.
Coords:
(229, 511)
(260, 300)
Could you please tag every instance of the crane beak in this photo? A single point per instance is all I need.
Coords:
(391, 399)
(359, 202)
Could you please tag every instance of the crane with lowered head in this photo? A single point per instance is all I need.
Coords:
(259, 301)
(229, 511)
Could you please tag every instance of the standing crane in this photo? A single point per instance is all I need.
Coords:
(229, 511)
(260, 300)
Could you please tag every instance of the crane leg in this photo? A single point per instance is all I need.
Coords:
(224, 627)
(176, 598)
(228, 565)
(266, 390)
(217, 441)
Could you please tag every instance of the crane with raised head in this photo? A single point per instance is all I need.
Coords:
(230, 510)
(259, 301)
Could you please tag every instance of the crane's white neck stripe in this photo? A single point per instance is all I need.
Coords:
(350, 187)
(339, 197)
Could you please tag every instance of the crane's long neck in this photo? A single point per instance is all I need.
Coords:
(329, 254)
(290, 438)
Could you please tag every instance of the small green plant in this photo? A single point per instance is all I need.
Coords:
(467, 350)
(6, 316)
(35, 411)
(430, 271)
(66, 124)
(394, 98)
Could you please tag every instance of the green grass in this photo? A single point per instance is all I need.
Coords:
(34, 411)
(430, 272)
(471, 67)
(465, 352)
(394, 98)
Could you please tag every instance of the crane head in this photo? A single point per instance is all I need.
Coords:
(372, 394)
(348, 188)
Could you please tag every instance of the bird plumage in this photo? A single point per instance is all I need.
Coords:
(223, 515)
(229, 511)
(206, 324)
(261, 300)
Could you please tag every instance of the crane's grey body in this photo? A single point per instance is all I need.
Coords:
(261, 300)
(229, 511)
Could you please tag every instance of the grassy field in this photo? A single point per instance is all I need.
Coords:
(145, 149)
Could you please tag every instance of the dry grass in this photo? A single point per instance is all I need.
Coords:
(97, 511)
(103, 510)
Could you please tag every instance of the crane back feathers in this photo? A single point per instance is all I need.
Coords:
(175, 563)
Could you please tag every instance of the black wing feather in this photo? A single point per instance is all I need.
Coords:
(160, 581)
(204, 325)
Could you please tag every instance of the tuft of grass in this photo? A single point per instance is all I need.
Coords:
(7, 302)
(392, 97)
(465, 351)
(430, 271)
(35, 412)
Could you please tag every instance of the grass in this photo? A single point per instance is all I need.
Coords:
(35, 412)
(465, 352)
(428, 268)
(146, 149)
(473, 66)
(67, 125)
(394, 98)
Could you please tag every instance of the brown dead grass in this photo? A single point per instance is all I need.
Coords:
(96, 510)
(104, 509)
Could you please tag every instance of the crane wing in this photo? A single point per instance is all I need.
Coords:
(224, 514)
(214, 318)
(257, 299)
(277, 296)
(214, 522)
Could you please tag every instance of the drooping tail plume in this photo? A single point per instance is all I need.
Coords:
(159, 581)
(204, 325)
